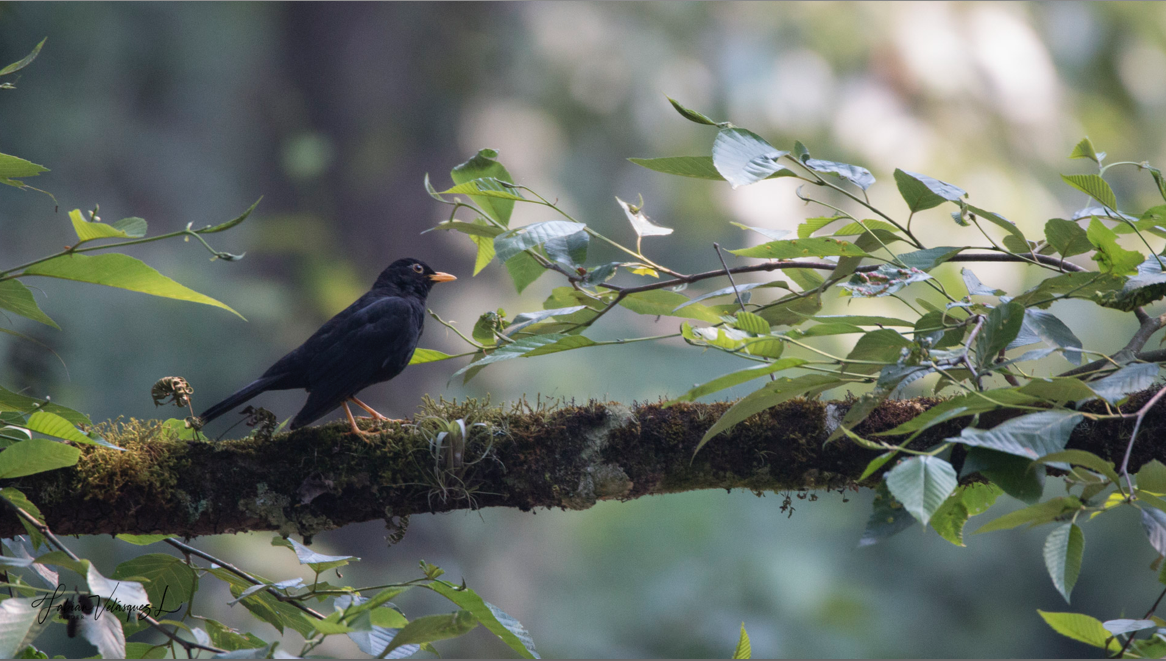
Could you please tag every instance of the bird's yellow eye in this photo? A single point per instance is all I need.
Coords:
(418, 268)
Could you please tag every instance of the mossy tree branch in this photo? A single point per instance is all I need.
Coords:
(320, 478)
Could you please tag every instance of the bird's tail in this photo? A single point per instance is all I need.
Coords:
(243, 394)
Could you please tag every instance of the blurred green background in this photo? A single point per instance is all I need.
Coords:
(185, 113)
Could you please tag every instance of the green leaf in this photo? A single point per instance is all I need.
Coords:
(136, 650)
(536, 345)
(861, 226)
(791, 311)
(859, 176)
(921, 192)
(1044, 326)
(772, 235)
(772, 394)
(967, 501)
(1017, 476)
(486, 187)
(961, 405)
(1067, 237)
(484, 165)
(1002, 222)
(669, 304)
(170, 581)
(1152, 477)
(512, 243)
(860, 320)
(1033, 435)
(1148, 286)
(570, 250)
(921, 484)
(524, 269)
(731, 291)
(1034, 515)
(122, 271)
(883, 281)
(27, 60)
(1110, 257)
(15, 297)
(751, 323)
(88, 231)
(735, 378)
(133, 227)
(698, 167)
(142, 540)
(888, 517)
(882, 346)
(744, 649)
(1100, 288)
(508, 629)
(1002, 326)
(743, 157)
(51, 424)
(811, 225)
(485, 253)
(36, 455)
(14, 167)
(17, 498)
(477, 228)
(222, 227)
(427, 356)
(1081, 628)
(1129, 379)
(815, 247)
(1084, 149)
(1063, 550)
(1093, 186)
(689, 114)
(1058, 389)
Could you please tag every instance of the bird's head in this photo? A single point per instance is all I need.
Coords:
(410, 276)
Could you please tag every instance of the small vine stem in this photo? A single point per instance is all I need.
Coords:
(740, 302)
(1141, 415)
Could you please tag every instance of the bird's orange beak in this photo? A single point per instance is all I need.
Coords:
(442, 277)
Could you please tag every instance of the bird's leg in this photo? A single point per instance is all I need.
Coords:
(375, 415)
(352, 421)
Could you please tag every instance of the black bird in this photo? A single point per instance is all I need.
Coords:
(368, 342)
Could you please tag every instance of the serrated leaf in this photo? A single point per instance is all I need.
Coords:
(1058, 389)
(1067, 237)
(508, 629)
(14, 167)
(1018, 477)
(689, 114)
(921, 192)
(477, 228)
(121, 271)
(1093, 186)
(744, 649)
(807, 228)
(489, 187)
(1081, 628)
(888, 517)
(484, 164)
(51, 424)
(36, 455)
(921, 484)
(1063, 550)
(967, 501)
(1084, 149)
(736, 378)
(15, 297)
(1033, 435)
(813, 247)
(743, 157)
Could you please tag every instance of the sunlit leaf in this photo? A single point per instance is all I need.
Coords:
(484, 165)
(15, 297)
(1084, 149)
(1093, 186)
(1081, 628)
(427, 356)
(744, 649)
(1110, 257)
(25, 61)
(122, 271)
(640, 222)
(36, 455)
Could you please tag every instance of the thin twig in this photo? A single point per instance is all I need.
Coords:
(730, 274)
(1125, 462)
(1130, 640)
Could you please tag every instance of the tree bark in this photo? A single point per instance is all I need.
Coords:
(320, 478)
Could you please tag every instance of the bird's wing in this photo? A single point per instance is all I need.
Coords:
(372, 345)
